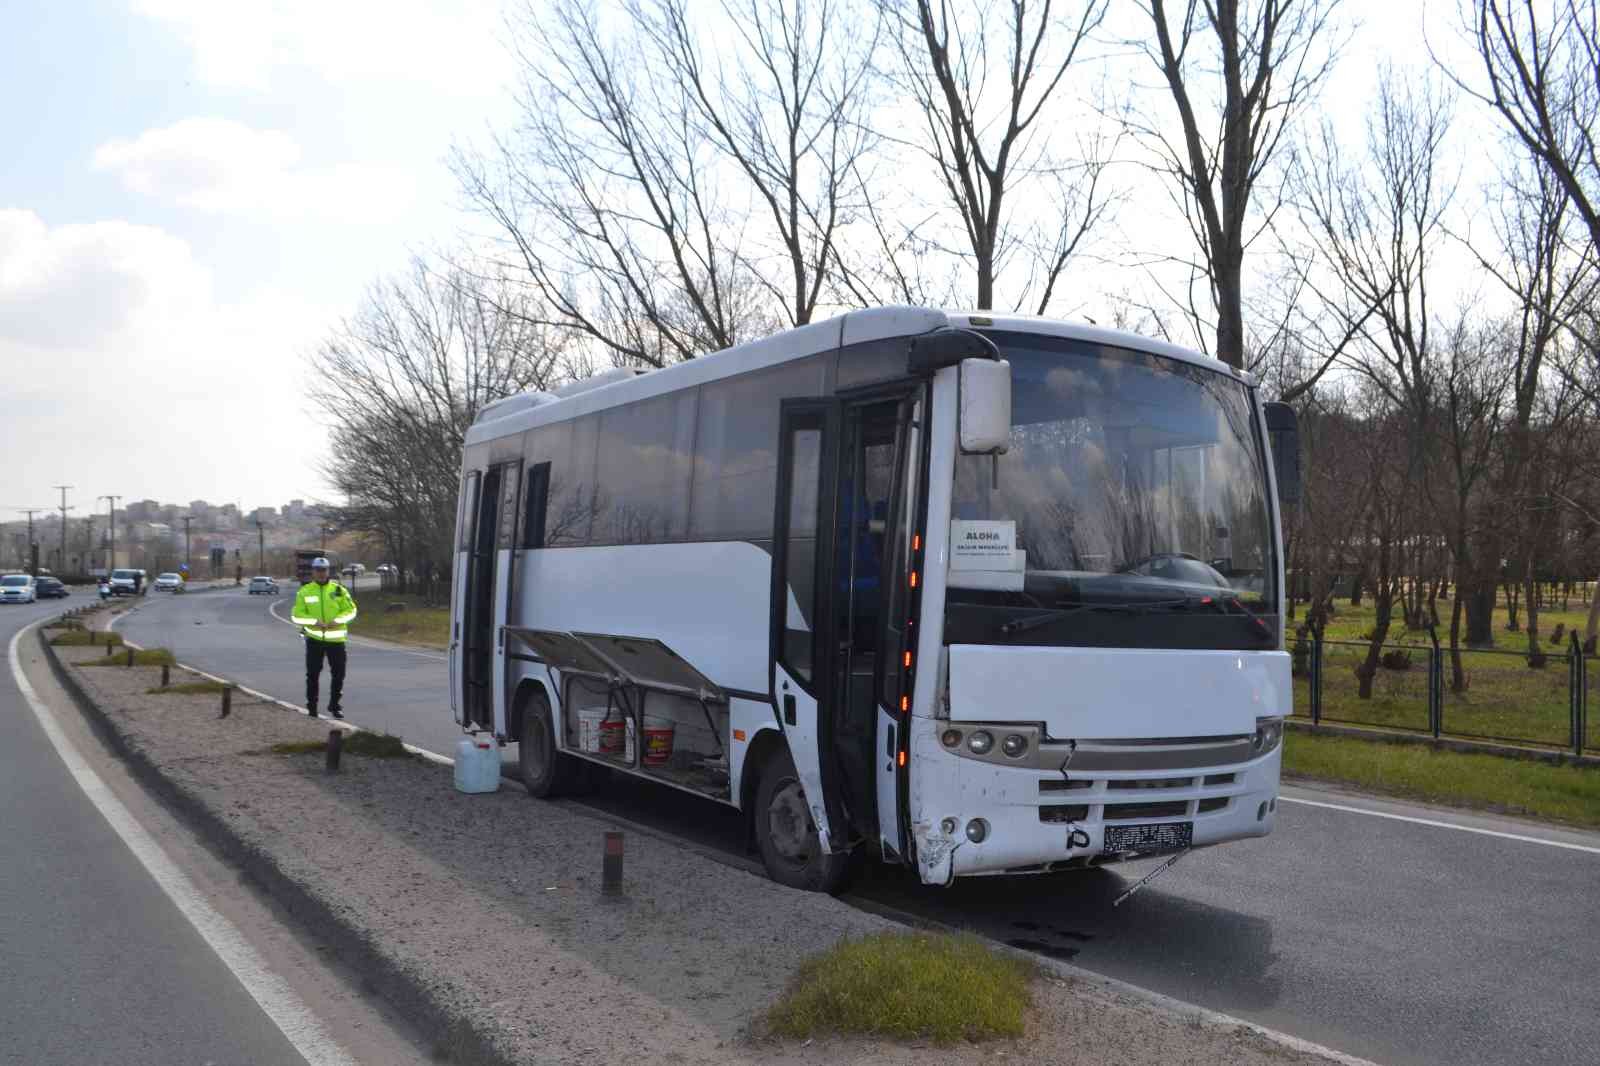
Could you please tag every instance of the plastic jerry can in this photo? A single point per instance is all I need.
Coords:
(477, 763)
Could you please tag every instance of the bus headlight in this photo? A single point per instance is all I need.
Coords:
(1015, 745)
(1269, 734)
(980, 742)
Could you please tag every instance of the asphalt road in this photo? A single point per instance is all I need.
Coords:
(1391, 940)
(96, 963)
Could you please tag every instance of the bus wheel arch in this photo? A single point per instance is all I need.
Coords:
(777, 807)
(527, 690)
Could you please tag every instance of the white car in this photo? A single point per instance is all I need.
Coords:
(169, 583)
(263, 585)
(18, 588)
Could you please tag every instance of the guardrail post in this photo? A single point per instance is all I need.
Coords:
(1316, 675)
(334, 750)
(227, 701)
(130, 658)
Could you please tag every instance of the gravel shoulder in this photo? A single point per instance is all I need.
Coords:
(481, 916)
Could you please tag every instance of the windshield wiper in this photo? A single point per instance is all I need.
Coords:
(1034, 621)
(1261, 628)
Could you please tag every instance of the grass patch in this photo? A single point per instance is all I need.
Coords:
(142, 657)
(374, 745)
(187, 688)
(79, 638)
(907, 986)
(410, 623)
(1488, 782)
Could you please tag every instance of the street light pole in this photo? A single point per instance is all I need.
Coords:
(261, 547)
(186, 520)
(111, 509)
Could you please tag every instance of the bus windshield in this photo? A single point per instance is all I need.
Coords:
(1134, 499)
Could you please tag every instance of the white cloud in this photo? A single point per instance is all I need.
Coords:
(448, 46)
(87, 284)
(222, 166)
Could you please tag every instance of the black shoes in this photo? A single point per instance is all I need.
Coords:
(336, 712)
(312, 711)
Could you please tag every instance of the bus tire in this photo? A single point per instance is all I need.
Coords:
(787, 837)
(545, 771)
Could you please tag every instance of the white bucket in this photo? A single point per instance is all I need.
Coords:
(589, 719)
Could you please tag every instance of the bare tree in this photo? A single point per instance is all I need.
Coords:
(1541, 62)
(410, 371)
(1238, 73)
(787, 100)
(981, 86)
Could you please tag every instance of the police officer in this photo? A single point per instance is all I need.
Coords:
(324, 609)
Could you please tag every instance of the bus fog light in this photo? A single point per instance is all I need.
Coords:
(948, 827)
(979, 743)
(1015, 745)
(977, 830)
(950, 738)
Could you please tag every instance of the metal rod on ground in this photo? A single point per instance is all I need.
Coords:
(335, 748)
(130, 658)
(227, 701)
(611, 865)
(110, 647)
(94, 636)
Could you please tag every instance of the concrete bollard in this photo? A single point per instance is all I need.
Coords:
(335, 749)
(227, 701)
(611, 865)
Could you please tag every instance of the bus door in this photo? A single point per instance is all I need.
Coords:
(481, 592)
(833, 544)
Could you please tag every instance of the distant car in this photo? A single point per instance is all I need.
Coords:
(50, 588)
(353, 570)
(18, 588)
(169, 583)
(264, 586)
(386, 568)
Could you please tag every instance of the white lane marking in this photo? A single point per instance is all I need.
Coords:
(272, 609)
(277, 1000)
(1441, 825)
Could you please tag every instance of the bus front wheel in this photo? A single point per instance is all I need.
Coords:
(787, 836)
(545, 771)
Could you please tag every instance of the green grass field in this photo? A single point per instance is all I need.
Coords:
(1504, 698)
(411, 623)
(1568, 794)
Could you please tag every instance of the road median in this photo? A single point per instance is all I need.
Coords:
(482, 919)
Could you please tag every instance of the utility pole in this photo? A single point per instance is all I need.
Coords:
(261, 547)
(111, 509)
(186, 520)
(62, 562)
(32, 563)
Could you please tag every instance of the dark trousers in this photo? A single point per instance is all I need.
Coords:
(316, 651)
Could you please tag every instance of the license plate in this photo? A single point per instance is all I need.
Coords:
(1144, 839)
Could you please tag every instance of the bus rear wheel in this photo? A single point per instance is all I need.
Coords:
(545, 771)
(786, 835)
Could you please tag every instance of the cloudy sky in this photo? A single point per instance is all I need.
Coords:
(192, 192)
(195, 190)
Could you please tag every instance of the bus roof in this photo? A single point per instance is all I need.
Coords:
(514, 414)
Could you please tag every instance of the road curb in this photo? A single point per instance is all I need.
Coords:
(460, 1041)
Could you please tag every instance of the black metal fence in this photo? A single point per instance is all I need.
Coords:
(1479, 694)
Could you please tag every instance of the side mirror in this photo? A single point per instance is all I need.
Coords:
(1283, 438)
(984, 394)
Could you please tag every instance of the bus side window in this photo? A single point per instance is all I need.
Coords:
(535, 503)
